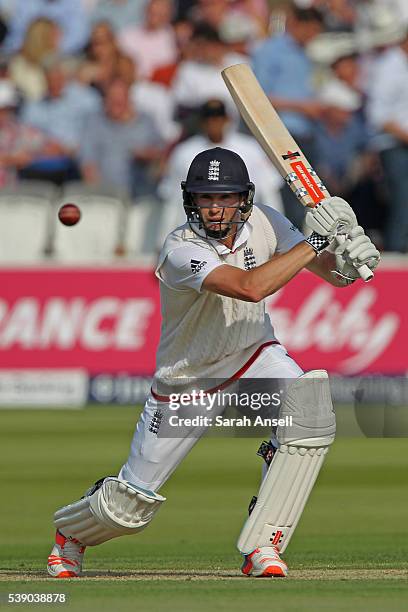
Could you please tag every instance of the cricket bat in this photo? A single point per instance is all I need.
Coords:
(281, 148)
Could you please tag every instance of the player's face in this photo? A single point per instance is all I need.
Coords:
(218, 210)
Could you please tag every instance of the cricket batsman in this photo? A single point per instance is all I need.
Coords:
(215, 272)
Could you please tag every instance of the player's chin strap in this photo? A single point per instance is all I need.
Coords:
(295, 466)
(111, 508)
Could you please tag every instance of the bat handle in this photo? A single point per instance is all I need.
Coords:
(364, 271)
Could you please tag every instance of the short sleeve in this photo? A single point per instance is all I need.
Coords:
(187, 267)
(287, 234)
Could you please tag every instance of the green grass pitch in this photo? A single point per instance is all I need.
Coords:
(349, 552)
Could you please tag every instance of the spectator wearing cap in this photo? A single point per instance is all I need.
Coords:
(338, 52)
(388, 113)
(286, 74)
(200, 78)
(216, 132)
(347, 68)
(152, 44)
(344, 162)
(120, 145)
(378, 29)
(341, 135)
(20, 144)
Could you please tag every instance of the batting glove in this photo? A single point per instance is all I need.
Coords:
(354, 252)
(330, 217)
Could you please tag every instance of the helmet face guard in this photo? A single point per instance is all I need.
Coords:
(217, 171)
(223, 228)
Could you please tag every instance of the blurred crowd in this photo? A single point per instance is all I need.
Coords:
(124, 93)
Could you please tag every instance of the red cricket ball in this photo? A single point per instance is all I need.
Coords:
(69, 214)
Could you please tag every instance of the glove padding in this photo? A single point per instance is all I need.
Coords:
(354, 252)
(330, 217)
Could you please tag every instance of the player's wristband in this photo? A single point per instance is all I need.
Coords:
(318, 242)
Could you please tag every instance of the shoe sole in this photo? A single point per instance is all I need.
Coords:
(64, 574)
(272, 572)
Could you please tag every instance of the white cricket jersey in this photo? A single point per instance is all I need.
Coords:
(205, 335)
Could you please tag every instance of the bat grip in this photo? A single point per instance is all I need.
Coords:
(364, 271)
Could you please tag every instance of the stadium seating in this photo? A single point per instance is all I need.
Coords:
(142, 227)
(99, 234)
(25, 212)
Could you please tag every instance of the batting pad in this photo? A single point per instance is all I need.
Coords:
(116, 508)
(295, 465)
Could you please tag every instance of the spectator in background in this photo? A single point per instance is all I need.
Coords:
(152, 99)
(258, 10)
(233, 21)
(378, 30)
(63, 111)
(149, 98)
(20, 144)
(119, 13)
(183, 9)
(347, 68)
(105, 62)
(152, 44)
(120, 145)
(344, 163)
(183, 34)
(216, 132)
(41, 41)
(200, 78)
(338, 54)
(388, 112)
(339, 130)
(68, 14)
(211, 12)
(102, 57)
(339, 15)
(285, 73)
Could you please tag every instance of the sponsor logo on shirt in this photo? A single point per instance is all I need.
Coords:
(249, 258)
(197, 265)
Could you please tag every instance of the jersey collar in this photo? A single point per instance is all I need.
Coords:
(240, 239)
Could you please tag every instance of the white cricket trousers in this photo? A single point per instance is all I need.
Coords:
(153, 459)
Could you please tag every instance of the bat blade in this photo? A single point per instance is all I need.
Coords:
(267, 127)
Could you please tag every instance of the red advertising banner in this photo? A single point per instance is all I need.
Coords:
(108, 320)
(103, 320)
(362, 328)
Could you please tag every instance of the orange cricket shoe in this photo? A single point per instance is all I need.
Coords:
(263, 562)
(65, 560)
